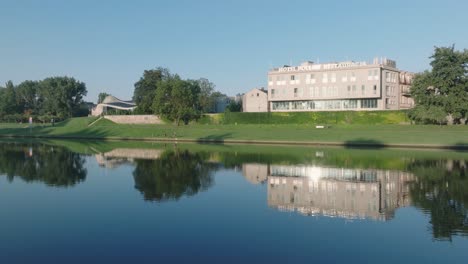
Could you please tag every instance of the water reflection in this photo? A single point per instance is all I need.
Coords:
(349, 184)
(336, 192)
(54, 166)
(116, 157)
(442, 192)
(174, 174)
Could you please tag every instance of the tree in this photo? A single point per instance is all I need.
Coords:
(8, 104)
(206, 99)
(234, 106)
(441, 95)
(145, 89)
(26, 97)
(177, 100)
(101, 97)
(61, 96)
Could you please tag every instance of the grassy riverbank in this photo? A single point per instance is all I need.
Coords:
(378, 135)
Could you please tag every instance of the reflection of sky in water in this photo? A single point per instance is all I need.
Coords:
(104, 218)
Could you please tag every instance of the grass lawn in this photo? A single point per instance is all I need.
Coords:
(352, 134)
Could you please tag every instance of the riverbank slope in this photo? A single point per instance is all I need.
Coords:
(303, 134)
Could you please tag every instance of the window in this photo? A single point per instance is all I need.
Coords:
(375, 89)
(349, 104)
(258, 94)
(369, 103)
(353, 77)
(363, 89)
(345, 77)
(299, 105)
(354, 89)
(293, 77)
(370, 76)
(295, 92)
(272, 93)
(349, 89)
(312, 78)
(325, 77)
(280, 105)
(387, 90)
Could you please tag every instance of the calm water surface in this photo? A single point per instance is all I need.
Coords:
(66, 202)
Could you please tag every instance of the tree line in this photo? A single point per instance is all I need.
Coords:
(52, 98)
(180, 100)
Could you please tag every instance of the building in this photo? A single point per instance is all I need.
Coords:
(256, 100)
(113, 103)
(338, 86)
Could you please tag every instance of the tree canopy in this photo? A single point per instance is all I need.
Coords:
(54, 97)
(173, 98)
(441, 94)
(146, 87)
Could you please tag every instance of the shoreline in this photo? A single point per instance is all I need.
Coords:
(356, 144)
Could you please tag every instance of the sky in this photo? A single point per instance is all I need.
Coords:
(108, 44)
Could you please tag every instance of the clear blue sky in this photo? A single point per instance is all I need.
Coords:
(108, 44)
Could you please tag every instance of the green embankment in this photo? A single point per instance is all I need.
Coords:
(348, 135)
(310, 118)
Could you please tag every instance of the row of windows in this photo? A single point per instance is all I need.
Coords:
(325, 78)
(330, 91)
(324, 105)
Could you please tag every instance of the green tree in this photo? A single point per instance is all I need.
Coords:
(146, 87)
(101, 97)
(206, 95)
(8, 104)
(61, 96)
(441, 95)
(234, 106)
(26, 97)
(177, 100)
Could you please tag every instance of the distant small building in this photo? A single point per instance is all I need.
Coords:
(256, 100)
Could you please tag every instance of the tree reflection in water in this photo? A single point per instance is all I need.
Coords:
(442, 191)
(54, 166)
(175, 174)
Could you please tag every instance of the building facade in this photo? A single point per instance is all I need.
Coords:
(339, 86)
(256, 100)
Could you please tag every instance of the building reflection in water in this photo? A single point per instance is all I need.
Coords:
(120, 156)
(334, 192)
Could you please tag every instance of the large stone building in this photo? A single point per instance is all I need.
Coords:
(340, 86)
